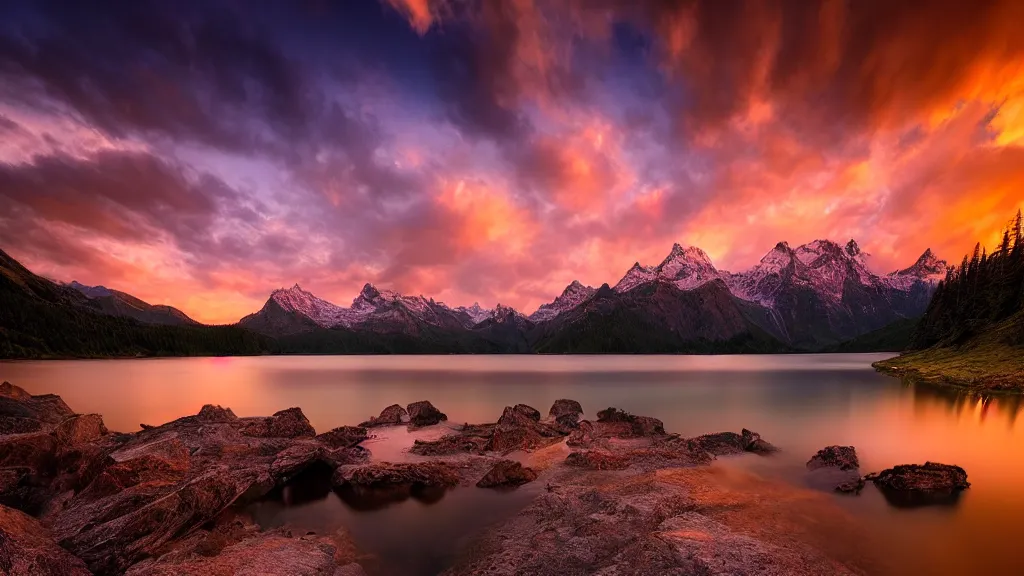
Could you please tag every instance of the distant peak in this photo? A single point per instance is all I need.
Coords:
(575, 284)
(783, 246)
(927, 255)
(297, 287)
(369, 291)
(852, 248)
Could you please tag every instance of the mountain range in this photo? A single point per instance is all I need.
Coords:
(806, 298)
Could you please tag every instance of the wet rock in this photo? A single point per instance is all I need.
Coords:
(344, 436)
(565, 407)
(841, 457)
(391, 416)
(27, 549)
(384, 474)
(597, 460)
(912, 485)
(423, 413)
(213, 413)
(80, 429)
(507, 473)
(289, 423)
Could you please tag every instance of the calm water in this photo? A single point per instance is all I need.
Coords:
(799, 403)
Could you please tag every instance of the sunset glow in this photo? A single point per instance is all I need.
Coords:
(494, 151)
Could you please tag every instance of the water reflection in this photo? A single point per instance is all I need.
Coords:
(369, 499)
(799, 403)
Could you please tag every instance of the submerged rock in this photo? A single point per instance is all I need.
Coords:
(26, 549)
(391, 416)
(423, 413)
(565, 407)
(507, 473)
(841, 457)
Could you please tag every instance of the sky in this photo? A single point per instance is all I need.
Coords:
(201, 154)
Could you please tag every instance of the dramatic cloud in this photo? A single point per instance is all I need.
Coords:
(201, 154)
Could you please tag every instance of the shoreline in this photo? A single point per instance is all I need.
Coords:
(960, 370)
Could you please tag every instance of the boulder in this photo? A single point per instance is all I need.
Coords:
(912, 485)
(343, 436)
(519, 428)
(423, 413)
(289, 423)
(568, 421)
(565, 407)
(622, 424)
(841, 457)
(597, 460)
(391, 416)
(724, 443)
(461, 443)
(80, 429)
(27, 549)
(507, 473)
(583, 435)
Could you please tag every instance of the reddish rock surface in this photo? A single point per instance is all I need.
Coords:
(27, 549)
(841, 457)
(565, 407)
(507, 473)
(343, 436)
(597, 460)
(391, 416)
(423, 413)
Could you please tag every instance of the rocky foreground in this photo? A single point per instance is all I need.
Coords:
(621, 495)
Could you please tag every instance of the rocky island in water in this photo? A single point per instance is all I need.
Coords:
(620, 495)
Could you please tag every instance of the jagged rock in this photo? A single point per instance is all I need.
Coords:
(391, 416)
(507, 473)
(26, 549)
(80, 429)
(343, 436)
(385, 474)
(423, 413)
(519, 428)
(214, 413)
(8, 390)
(289, 423)
(911, 485)
(597, 460)
(841, 457)
(162, 483)
(565, 407)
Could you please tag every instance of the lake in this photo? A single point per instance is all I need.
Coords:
(800, 403)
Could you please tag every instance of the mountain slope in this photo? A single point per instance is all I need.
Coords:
(41, 319)
(572, 296)
(657, 318)
(117, 303)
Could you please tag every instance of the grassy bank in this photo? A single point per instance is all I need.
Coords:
(987, 366)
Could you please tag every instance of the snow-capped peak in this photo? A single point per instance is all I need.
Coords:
(928, 268)
(295, 299)
(476, 313)
(572, 296)
(687, 268)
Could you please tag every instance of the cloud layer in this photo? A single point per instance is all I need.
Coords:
(204, 155)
